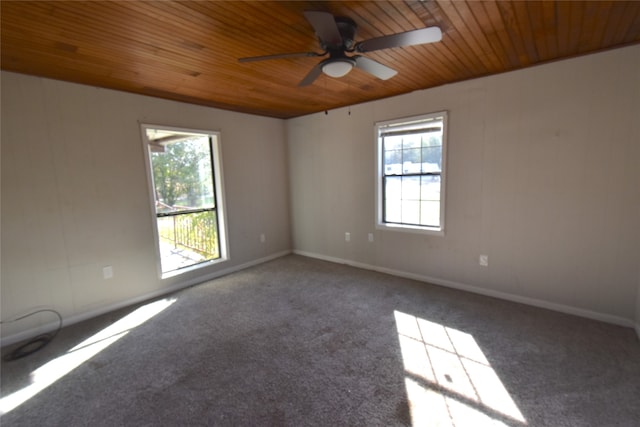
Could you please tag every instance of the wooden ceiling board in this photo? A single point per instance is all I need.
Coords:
(446, 50)
(454, 42)
(188, 51)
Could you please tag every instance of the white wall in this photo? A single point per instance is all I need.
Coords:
(638, 303)
(543, 176)
(75, 195)
(638, 306)
(637, 130)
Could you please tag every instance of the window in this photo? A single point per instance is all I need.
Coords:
(185, 184)
(411, 173)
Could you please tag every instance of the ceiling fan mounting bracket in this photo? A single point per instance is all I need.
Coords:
(347, 28)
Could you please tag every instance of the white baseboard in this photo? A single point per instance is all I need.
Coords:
(32, 332)
(576, 311)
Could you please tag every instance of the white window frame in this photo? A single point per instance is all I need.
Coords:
(379, 179)
(218, 190)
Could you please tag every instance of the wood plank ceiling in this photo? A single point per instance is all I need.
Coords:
(188, 50)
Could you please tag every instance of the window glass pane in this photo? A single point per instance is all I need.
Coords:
(182, 175)
(393, 195)
(411, 141)
(431, 159)
(187, 239)
(392, 143)
(430, 213)
(430, 187)
(393, 162)
(411, 162)
(432, 139)
(393, 211)
(393, 188)
(411, 188)
(411, 212)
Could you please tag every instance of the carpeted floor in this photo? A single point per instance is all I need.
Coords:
(299, 342)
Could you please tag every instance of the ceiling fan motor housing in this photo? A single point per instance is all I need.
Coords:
(347, 28)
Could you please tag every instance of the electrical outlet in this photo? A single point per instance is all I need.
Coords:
(263, 238)
(484, 260)
(347, 237)
(107, 272)
(370, 237)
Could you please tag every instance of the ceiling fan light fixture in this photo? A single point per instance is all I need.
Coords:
(338, 67)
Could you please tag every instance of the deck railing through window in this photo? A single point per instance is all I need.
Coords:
(194, 231)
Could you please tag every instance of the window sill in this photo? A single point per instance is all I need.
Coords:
(194, 267)
(430, 231)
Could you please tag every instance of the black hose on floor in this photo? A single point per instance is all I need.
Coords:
(36, 343)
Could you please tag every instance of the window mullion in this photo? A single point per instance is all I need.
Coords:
(184, 212)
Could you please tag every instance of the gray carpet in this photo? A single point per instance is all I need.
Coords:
(299, 342)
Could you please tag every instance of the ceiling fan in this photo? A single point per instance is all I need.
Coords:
(336, 36)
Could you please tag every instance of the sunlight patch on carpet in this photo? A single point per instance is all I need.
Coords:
(449, 380)
(57, 368)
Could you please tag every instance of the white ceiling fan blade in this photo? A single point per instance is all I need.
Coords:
(374, 67)
(408, 38)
